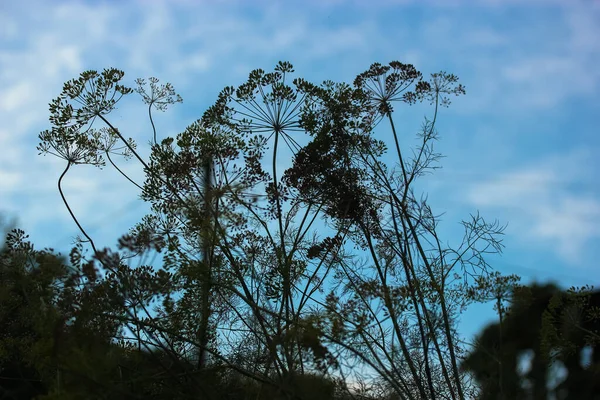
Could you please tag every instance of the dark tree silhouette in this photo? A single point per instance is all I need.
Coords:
(551, 326)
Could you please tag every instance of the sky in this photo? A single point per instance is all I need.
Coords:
(520, 147)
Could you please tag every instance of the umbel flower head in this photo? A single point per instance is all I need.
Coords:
(109, 140)
(70, 144)
(264, 112)
(72, 114)
(384, 84)
(91, 95)
(265, 105)
(159, 96)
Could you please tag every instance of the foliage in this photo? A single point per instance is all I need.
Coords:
(50, 348)
(550, 325)
(274, 273)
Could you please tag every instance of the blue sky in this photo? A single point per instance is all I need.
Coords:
(521, 146)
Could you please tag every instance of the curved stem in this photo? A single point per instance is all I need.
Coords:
(62, 195)
(115, 130)
(145, 165)
(152, 121)
(90, 240)
(400, 160)
(121, 172)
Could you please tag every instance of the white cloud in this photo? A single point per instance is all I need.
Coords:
(542, 206)
(573, 223)
(536, 60)
(8, 28)
(546, 81)
(16, 96)
(566, 64)
(194, 63)
(514, 187)
(10, 178)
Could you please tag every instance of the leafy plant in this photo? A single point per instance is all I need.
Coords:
(331, 263)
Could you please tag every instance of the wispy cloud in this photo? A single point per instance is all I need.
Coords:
(567, 64)
(519, 59)
(554, 204)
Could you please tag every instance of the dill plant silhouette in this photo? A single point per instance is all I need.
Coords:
(272, 272)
